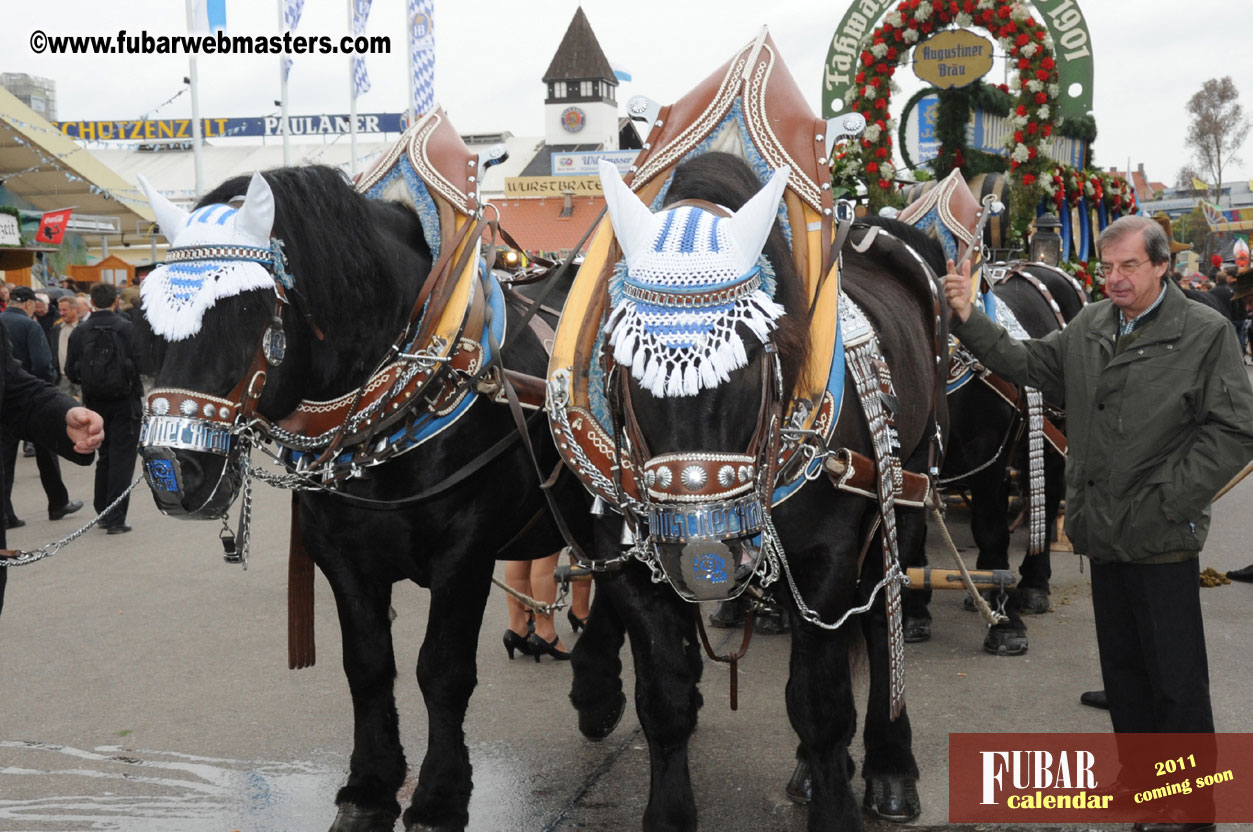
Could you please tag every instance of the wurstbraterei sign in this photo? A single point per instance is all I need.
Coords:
(953, 58)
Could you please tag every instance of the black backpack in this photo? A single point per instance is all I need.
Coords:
(104, 369)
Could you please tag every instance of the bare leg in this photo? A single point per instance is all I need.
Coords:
(544, 590)
(518, 577)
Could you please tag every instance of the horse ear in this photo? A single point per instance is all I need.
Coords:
(256, 218)
(170, 218)
(632, 221)
(750, 226)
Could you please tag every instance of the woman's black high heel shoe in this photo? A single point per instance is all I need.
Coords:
(538, 647)
(513, 641)
(576, 623)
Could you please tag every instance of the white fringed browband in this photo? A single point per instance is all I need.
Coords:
(676, 345)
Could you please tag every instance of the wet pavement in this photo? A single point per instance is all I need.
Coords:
(144, 688)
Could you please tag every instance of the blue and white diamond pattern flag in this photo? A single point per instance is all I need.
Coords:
(360, 78)
(422, 54)
(292, 10)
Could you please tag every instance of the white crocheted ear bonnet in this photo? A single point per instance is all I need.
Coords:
(215, 252)
(692, 277)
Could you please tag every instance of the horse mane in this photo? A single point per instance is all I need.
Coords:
(727, 180)
(352, 259)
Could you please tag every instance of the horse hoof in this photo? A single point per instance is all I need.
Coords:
(599, 723)
(894, 799)
(800, 789)
(772, 623)
(916, 630)
(353, 818)
(1005, 642)
(1034, 601)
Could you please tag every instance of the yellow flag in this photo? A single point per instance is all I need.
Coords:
(1198, 185)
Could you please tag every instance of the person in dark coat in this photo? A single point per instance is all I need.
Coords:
(30, 348)
(31, 408)
(122, 414)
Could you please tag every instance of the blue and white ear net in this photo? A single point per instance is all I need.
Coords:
(678, 307)
(216, 252)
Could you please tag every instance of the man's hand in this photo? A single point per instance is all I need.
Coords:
(957, 290)
(85, 428)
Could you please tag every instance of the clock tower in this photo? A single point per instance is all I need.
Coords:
(581, 107)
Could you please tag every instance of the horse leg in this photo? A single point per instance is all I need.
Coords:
(821, 709)
(889, 769)
(662, 629)
(596, 662)
(819, 690)
(447, 676)
(367, 802)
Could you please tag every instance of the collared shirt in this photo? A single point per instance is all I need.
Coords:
(1126, 327)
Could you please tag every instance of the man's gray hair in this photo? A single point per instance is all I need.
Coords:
(1155, 241)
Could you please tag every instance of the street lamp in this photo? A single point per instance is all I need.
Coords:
(1046, 243)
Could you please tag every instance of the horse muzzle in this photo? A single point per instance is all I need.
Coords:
(190, 467)
(708, 551)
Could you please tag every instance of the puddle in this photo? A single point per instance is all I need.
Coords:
(57, 788)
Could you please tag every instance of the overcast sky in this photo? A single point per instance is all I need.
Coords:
(1150, 57)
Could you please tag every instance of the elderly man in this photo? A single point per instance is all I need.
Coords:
(1160, 417)
(59, 341)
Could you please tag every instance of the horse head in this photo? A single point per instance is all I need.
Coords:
(236, 311)
(697, 381)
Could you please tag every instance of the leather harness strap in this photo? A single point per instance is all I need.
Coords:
(301, 648)
(1011, 394)
(732, 659)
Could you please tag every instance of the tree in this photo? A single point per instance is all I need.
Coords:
(1218, 128)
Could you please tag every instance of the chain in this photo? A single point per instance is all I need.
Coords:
(557, 605)
(894, 574)
(49, 549)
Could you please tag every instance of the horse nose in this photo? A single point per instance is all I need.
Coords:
(180, 481)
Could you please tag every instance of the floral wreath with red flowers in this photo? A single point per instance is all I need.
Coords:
(1065, 186)
(1022, 37)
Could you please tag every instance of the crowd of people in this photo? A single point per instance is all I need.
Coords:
(78, 356)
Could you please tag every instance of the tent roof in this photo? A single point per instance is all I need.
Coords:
(50, 170)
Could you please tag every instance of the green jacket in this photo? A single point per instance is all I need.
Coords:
(1157, 422)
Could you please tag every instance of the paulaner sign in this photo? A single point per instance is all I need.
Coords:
(952, 59)
(178, 129)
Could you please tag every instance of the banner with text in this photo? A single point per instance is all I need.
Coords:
(178, 129)
(1100, 778)
(536, 186)
(587, 163)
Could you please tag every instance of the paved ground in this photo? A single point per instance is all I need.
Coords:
(144, 688)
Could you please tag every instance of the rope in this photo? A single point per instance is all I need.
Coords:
(980, 604)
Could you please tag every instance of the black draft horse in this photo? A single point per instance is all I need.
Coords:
(358, 266)
(988, 437)
(821, 531)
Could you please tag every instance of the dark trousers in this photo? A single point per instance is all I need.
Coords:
(1152, 643)
(49, 473)
(115, 463)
